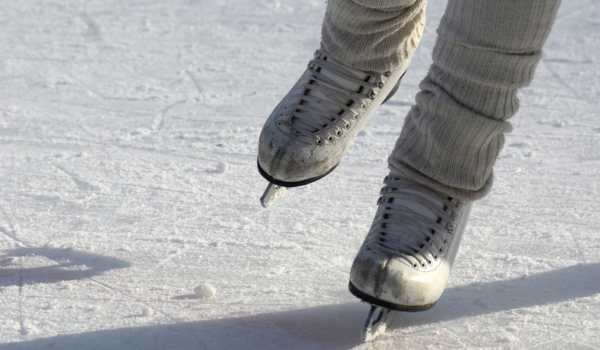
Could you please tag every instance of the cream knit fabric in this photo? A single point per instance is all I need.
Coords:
(486, 50)
(373, 35)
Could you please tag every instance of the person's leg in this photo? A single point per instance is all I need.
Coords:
(486, 50)
(373, 35)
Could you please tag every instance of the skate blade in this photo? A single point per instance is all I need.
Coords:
(377, 322)
(272, 194)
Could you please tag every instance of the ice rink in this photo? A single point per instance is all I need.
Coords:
(114, 116)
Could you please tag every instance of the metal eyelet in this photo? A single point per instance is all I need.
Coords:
(372, 94)
(387, 74)
(381, 84)
(363, 106)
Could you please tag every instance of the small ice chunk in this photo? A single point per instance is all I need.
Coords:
(222, 167)
(205, 290)
(147, 312)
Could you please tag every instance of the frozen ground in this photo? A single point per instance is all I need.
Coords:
(114, 116)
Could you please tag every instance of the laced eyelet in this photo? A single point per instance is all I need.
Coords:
(338, 132)
(381, 84)
(372, 94)
(311, 64)
(387, 74)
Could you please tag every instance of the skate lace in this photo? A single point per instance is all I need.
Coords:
(330, 103)
(405, 233)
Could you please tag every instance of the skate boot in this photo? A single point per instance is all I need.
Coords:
(309, 132)
(405, 260)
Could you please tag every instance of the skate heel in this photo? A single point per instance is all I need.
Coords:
(393, 91)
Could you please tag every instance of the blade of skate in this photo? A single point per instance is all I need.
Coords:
(272, 194)
(377, 322)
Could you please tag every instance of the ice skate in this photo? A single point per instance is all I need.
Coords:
(405, 260)
(309, 132)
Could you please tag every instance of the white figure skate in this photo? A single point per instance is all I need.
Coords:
(309, 132)
(405, 260)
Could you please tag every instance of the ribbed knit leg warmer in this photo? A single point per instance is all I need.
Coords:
(486, 50)
(373, 35)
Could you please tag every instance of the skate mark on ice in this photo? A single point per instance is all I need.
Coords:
(82, 184)
(93, 30)
(195, 81)
(158, 122)
(562, 82)
(12, 234)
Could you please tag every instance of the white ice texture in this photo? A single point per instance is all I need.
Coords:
(115, 114)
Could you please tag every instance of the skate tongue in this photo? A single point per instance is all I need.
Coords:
(337, 80)
(419, 208)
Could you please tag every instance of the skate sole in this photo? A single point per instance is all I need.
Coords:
(386, 304)
(292, 184)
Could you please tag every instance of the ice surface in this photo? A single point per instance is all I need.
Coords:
(114, 115)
